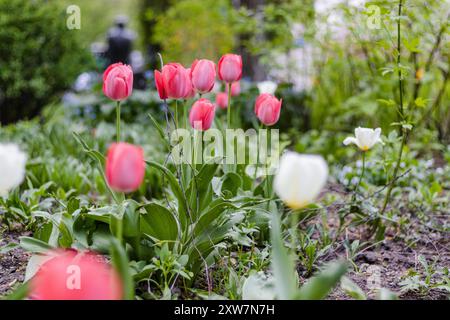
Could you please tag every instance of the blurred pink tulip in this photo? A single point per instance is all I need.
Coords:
(222, 100)
(267, 109)
(202, 114)
(203, 75)
(118, 81)
(70, 275)
(235, 89)
(230, 68)
(125, 167)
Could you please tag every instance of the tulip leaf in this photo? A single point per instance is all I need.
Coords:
(319, 286)
(176, 189)
(120, 262)
(160, 130)
(34, 245)
(159, 222)
(282, 263)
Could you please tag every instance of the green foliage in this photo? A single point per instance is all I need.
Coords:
(195, 29)
(39, 56)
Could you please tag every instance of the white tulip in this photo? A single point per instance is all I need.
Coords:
(365, 138)
(12, 167)
(300, 178)
(267, 87)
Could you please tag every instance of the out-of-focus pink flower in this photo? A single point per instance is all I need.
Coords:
(230, 68)
(235, 89)
(267, 109)
(118, 81)
(125, 167)
(70, 275)
(202, 114)
(222, 100)
(203, 75)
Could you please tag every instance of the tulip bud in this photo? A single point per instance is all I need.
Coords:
(12, 167)
(365, 138)
(125, 167)
(118, 81)
(267, 109)
(69, 275)
(230, 68)
(235, 89)
(202, 114)
(300, 178)
(177, 81)
(203, 75)
(222, 100)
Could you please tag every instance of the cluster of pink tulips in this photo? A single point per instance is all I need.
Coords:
(125, 164)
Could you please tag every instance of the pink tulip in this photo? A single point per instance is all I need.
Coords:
(267, 109)
(222, 100)
(202, 114)
(176, 80)
(69, 275)
(230, 68)
(125, 167)
(118, 82)
(235, 89)
(159, 82)
(203, 75)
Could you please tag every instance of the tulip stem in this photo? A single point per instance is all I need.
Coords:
(361, 176)
(118, 122)
(401, 113)
(229, 107)
(177, 124)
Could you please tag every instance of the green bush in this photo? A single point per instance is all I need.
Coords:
(39, 56)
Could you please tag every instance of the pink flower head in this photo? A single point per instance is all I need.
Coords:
(202, 114)
(267, 109)
(230, 68)
(72, 275)
(118, 81)
(203, 75)
(125, 167)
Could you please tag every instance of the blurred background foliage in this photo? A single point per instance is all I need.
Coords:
(334, 71)
(39, 57)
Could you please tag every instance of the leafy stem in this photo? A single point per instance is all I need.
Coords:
(401, 111)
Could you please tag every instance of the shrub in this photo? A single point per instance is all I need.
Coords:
(39, 56)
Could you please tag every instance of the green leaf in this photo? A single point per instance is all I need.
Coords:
(160, 130)
(120, 262)
(352, 289)
(320, 285)
(282, 264)
(20, 293)
(8, 247)
(159, 222)
(176, 189)
(34, 245)
(421, 102)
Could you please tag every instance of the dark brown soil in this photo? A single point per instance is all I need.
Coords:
(12, 263)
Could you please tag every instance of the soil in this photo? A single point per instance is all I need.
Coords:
(12, 263)
(390, 261)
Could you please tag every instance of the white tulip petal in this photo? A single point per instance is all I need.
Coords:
(300, 178)
(12, 167)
